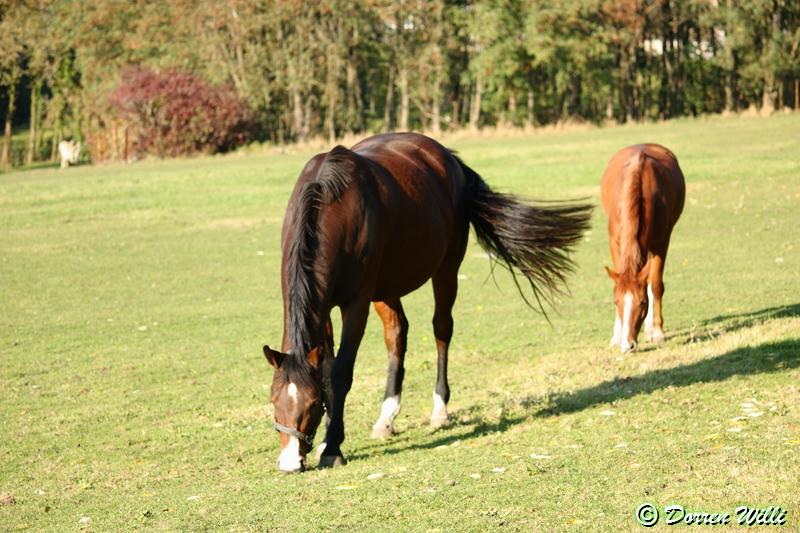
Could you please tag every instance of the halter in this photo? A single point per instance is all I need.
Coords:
(308, 439)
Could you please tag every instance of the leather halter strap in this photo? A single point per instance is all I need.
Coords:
(308, 439)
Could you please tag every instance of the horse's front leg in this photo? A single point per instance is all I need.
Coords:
(654, 322)
(354, 320)
(327, 371)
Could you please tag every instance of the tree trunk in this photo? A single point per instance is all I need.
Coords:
(403, 86)
(475, 106)
(768, 100)
(35, 90)
(436, 101)
(436, 118)
(512, 106)
(331, 89)
(297, 114)
(12, 95)
(768, 97)
(530, 121)
(354, 102)
(308, 110)
(797, 95)
(731, 100)
(387, 111)
(54, 140)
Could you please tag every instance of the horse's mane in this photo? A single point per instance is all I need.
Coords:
(630, 211)
(303, 285)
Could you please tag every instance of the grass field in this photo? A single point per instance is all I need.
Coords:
(134, 301)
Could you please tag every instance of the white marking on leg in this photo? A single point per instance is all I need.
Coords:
(624, 344)
(289, 459)
(615, 338)
(320, 449)
(439, 415)
(648, 321)
(389, 410)
(292, 390)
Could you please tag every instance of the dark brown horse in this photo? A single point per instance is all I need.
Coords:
(643, 192)
(372, 224)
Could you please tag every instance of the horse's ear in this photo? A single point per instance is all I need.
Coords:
(611, 274)
(274, 358)
(644, 273)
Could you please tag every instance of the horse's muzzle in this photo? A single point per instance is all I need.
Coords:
(626, 348)
(295, 470)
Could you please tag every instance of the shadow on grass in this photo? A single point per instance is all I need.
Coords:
(442, 437)
(765, 358)
(718, 325)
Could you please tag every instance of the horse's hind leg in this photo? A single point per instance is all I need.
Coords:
(445, 288)
(395, 334)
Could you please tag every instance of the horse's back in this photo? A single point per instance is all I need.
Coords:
(660, 176)
(419, 185)
(422, 169)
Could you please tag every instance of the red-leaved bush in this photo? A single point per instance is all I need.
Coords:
(172, 113)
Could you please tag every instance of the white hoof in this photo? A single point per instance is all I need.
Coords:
(439, 415)
(439, 421)
(382, 432)
(384, 427)
(658, 336)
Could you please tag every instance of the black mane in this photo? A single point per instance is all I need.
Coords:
(303, 285)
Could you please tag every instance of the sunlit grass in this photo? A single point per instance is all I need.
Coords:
(134, 301)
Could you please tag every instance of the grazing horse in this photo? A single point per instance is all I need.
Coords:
(642, 193)
(372, 224)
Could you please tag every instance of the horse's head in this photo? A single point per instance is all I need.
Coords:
(631, 300)
(297, 397)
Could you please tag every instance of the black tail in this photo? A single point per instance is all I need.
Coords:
(531, 239)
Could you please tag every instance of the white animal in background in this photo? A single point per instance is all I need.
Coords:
(69, 150)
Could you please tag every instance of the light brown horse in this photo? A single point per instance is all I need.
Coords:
(643, 191)
(371, 224)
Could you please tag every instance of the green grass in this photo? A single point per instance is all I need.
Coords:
(134, 301)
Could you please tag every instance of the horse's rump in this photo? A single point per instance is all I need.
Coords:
(642, 194)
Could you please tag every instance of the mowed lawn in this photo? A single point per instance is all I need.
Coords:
(134, 301)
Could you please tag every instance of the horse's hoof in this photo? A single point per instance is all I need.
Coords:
(330, 461)
(382, 432)
(658, 337)
(438, 422)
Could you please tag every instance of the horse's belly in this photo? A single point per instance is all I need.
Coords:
(408, 262)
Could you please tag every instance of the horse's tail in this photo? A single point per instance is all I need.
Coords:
(533, 239)
(630, 206)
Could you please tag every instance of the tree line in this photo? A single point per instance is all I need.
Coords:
(335, 67)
